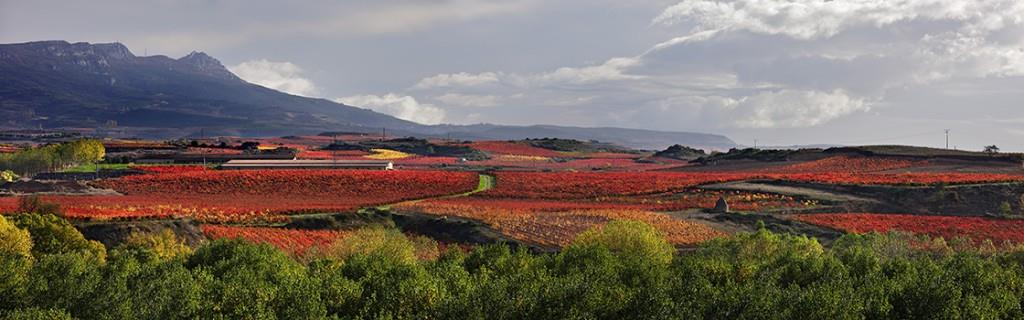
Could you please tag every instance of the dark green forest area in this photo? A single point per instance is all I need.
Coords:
(625, 270)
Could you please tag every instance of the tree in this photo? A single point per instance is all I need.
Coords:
(15, 263)
(250, 145)
(35, 204)
(53, 157)
(84, 151)
(14, 240)
(163, 245)
(379, 241)
(629, 238)
(256, 282)
(54, 235)
(991, 150)
(8, 176)
(36, 314)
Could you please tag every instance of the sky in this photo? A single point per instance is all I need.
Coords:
(780, 72)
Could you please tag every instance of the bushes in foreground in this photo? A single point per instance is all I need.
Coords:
(622, 271)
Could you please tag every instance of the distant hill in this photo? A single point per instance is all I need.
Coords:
(60, 84)
(56, 84)
(633, 138)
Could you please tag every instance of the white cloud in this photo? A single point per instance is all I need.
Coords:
(825, 18)
(613, 69)
(793, 109)
(461, 79)
(468, 100)
(403, 107)
(281, 76)
(951, 37)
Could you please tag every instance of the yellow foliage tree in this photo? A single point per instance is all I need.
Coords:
(380, 241)
(164, 244)
(629, 238)
(13, 239)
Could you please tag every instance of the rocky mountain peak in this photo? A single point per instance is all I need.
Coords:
(206, 64)
(116, 50)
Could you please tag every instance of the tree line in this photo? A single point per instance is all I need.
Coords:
(52, 157)
(625, 270)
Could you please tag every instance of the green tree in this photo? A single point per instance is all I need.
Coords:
(14, 240)
(36, 314)
(635, 239)
(379, 241)
(256, 282)
(54, 235)
(84, 151)
(14, 277)
(67, 281)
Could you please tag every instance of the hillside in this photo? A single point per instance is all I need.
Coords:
(56, 84)
(60, 84)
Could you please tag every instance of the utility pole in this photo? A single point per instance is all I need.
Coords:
(755, 143)
(947, 139)
(383, 134)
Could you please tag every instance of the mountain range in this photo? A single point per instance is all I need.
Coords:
(104, 86)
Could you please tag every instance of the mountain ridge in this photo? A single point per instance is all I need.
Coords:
(58, 84)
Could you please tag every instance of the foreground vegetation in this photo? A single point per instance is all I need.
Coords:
(624, 270)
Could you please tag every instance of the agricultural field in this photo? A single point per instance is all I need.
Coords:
(976, 229)
(240, 196)
(293, 241)
(543, 193)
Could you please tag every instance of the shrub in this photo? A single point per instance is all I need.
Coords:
(35, 204)
(1005, 209)
(8, 176)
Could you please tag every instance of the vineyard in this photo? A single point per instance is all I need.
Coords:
(949, 227)
(848, 164)
(556, 228)
(584, 185)
(538, 196)
(386, 186)
(293, 241)
(256, 195)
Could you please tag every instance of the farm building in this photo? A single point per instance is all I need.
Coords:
(307, 164)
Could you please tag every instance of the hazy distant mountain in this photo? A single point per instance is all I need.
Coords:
(59, 84)
(634, 138)
(56, 84)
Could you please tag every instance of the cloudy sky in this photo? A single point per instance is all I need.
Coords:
(780, 71)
